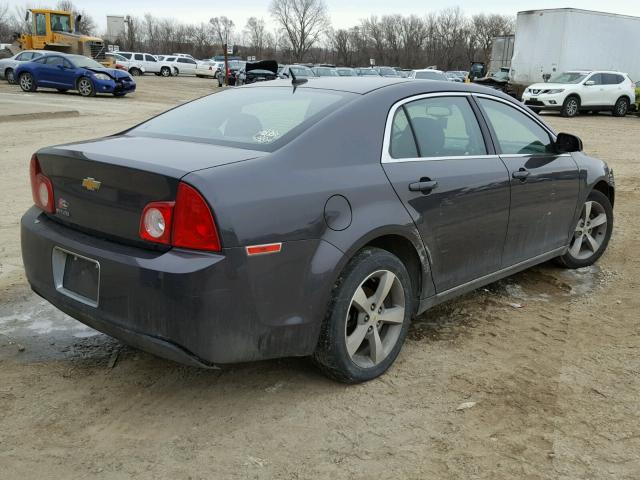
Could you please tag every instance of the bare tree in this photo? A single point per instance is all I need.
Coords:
(485, 28)
(256, 32)
(304, 21)
(223, 29)
(86, 25)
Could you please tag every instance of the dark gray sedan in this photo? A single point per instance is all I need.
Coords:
(313, 219)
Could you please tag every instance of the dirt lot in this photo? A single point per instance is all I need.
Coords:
(556, 382)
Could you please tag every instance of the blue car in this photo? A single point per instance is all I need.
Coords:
(73, 72)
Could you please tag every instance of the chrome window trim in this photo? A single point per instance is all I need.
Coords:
(386, 143)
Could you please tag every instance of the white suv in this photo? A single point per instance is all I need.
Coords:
(150, 63)
(576, 91)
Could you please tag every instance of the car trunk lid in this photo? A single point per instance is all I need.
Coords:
(101, 187)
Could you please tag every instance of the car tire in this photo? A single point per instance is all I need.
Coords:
(9, 75)
(135, 72)
(591, 234)
(360, 338)
(571, 106)
(621, 108)
(165, 71)
(27, 82)
(85, 87)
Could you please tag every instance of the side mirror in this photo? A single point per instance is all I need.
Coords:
(567, 143)
(588, 83)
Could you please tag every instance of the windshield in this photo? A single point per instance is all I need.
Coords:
(60, 23)
(254, 118)
(430, 76)
(568, 77)
(81, 61)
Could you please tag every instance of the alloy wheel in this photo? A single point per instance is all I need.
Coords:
(85, 87)
(621, 108)
(375, 318)
(590, 231)
(26, 82)
(572, 107)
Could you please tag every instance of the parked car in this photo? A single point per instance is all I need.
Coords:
(73, 72)
(123, 63)
(8, 65)
(453, 77)
(404, 72)
(158, 236)
(346, 72)
(209, 69)
(300, 71)
(576, 91)
(387, 72)
(234, 67)
(428, 74)
(185, 55)
(325, 72)
(182, 65)
(257, 72)
(150, 63)
(367, 72)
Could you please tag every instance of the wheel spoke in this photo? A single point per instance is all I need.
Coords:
(577, 245)
(392, 315)
(593, 243)
(356, 338)
(587, 210)
(375, 345)
(599, 220)
(360, 300)
(385, 284)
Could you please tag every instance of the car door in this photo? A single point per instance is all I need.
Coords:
(187, 66)
(593, 94)
(58, 72)
(451, 182)
(612, 83)
(544, 184)
(151, 65)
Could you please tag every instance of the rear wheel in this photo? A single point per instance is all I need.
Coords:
(592, 233)
(165, 71)
(27, 82)
(9, 75)
(85, 87)
(621, 107)
(570, 107)
(368, 318)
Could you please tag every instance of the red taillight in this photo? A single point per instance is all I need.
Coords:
(193, 225)
(186, 223)
(41, 187)
(228, 71)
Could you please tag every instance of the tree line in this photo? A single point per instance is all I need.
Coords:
(301, 31)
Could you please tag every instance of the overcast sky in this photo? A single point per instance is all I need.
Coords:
(344, 13)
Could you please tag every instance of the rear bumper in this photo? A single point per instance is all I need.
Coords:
(192, 307)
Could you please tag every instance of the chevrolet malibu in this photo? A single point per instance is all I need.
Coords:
(306, 218)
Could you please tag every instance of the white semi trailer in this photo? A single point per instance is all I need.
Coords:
(557, 40)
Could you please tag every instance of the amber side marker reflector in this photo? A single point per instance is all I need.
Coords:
(264, 249)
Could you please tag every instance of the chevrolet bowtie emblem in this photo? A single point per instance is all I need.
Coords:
(91, 184)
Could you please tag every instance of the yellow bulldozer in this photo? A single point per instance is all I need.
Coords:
(56, 30)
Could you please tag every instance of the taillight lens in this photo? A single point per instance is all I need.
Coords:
(186, 223)
(155, 225)
(41, 187)
(194, 226)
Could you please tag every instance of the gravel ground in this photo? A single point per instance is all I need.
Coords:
(547, 362)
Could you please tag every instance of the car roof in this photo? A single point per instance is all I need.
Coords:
(428, 70)
(366, 85)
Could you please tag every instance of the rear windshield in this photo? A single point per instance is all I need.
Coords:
(255, 118)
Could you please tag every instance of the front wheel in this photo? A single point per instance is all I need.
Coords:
(592, 233)
(368, 318)
(621, 107)
(570, 107)
(27, 82)
(86, 88)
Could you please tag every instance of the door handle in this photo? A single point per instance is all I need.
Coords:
(424, 186)
(521, 174)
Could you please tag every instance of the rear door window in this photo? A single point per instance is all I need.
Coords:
(403, 143)
(126, 55)
(612, 78)
(150, 58)
(445, 127)
(516, 133)
(138, 56)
